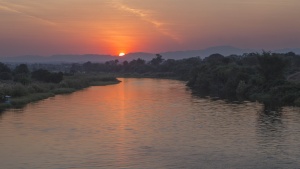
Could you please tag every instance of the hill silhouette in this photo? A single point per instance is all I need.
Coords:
(223, 50)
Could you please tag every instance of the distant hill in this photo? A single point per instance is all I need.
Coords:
(286, 50)
(57, 59)
(224, 50)
(142, 55)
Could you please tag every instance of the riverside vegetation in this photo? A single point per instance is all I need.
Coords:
(21, 86)
(270, 78)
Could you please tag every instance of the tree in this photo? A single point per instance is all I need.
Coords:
(46, 76)
(5, 72)
(137, 62)
(56, 77)
(157, 61)
(112, 62)
(21, 74)
(4, 68)
(76, 67)
(21, 69)
(215, 59)
(271, 67)
(125, 63)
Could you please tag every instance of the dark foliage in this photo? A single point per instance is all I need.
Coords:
(46, 76)
(22, 69)
(22, 74)
(5, 72)
(252, 76)
(256, 76)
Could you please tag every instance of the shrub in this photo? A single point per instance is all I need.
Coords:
(19, 90)
(5, 76)
(46, 76)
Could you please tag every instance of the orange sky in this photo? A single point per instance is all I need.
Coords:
(47, 27)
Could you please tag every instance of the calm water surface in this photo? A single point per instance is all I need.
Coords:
(147, 123)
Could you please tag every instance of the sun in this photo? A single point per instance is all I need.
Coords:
(121, 54)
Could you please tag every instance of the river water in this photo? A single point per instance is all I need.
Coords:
(147, 123)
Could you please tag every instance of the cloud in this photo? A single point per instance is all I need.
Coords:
(146, 16)
(10, 7)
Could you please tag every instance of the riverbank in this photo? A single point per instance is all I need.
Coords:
(284, 94)
(265, 78)
(157, 75)
(21, 95)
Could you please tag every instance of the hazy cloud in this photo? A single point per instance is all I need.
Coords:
(12, 7)
(146, 16)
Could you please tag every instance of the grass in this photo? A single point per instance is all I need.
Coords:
(101, 83)
(63, 90)
(24, 94)
(20, 101)
(157, 75)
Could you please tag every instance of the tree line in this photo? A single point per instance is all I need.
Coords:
(157, 67)
(252, 76)
(23, 75)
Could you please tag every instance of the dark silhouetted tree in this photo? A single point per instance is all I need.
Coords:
(271, 67)
(21, 69)
(21, 74)
(157, 60)
(5, 72)
(46, 76)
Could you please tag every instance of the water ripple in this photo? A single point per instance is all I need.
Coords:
(147, 123)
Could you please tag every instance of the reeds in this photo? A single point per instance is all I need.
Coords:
(22, 94)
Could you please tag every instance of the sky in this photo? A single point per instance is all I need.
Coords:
(49, 27)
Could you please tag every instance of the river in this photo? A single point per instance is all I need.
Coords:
(147, 124)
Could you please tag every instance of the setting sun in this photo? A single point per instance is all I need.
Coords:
(121, 54)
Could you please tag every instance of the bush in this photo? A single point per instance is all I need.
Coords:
(5, 76)
(22, 78)
(46, 76)
(38, 88)
(19, 90)
(297, 102)
(241, 88)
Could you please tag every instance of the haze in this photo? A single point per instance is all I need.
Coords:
(35, 27)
